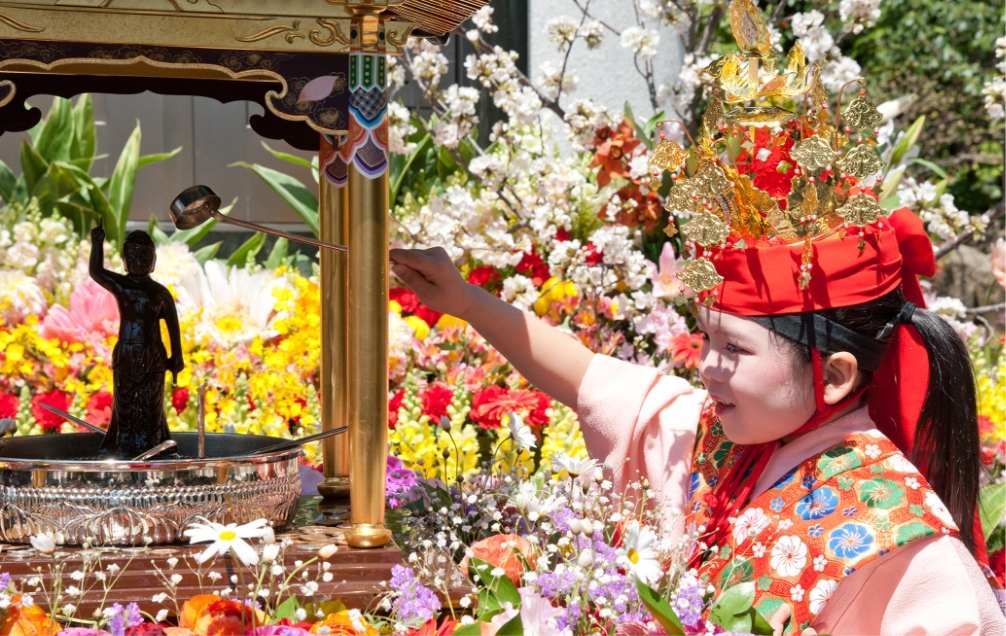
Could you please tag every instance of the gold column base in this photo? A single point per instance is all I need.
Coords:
(332, 513)
(334, 488)
(368, 535)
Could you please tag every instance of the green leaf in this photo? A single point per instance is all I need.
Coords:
(992, 507)
(56, 134)
(204, 254)
(33, 165)
(283, 156)
(279, 252)
(908, 140)
(497, 590)
(659, 609)
(938, 171)
(398, 176)
(192, 236)
(891, 202)
(291, 190)
(730, 611)
(288, 609)
(85, 138)
(651, 128)
(248, 249)
(8, 183)
(890, 184)
(156, 233)
(123, 180)
(146, 160)
(473, 629)
(640, 132)
(512, 627)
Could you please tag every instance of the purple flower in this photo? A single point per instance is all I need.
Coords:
(415, 604)
(399, 482)
(4, 581)
(119, 618)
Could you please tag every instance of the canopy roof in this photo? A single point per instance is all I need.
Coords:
(265, 51)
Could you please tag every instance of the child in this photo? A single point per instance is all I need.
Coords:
(791, 466)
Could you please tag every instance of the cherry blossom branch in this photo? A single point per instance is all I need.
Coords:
(569, 51)
(997, 211)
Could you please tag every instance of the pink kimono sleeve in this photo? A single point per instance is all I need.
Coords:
(640, 423)
(930, 587)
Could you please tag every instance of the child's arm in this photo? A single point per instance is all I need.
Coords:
(550, 360)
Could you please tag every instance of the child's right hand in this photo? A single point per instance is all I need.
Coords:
(431, 274)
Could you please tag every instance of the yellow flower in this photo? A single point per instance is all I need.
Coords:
(447, 321)
(419, 326)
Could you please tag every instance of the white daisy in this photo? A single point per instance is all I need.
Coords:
(575, 467)
(789, 556)
(638, 553)
(227, 538)
(520, 432)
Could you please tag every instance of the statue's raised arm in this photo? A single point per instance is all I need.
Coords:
(96, 266)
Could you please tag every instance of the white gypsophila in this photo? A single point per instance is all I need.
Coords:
(561, 30)
(483, 20)
(399, 128)
(857, 14)
(813, 36)
(552, 75)
(592, 33)
(642, 42)
(520, 292)
(839, 71)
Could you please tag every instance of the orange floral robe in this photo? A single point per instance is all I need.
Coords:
(832, 514)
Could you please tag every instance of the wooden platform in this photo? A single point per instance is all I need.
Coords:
(357, 574)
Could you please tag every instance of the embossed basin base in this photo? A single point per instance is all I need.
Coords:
(45, 488)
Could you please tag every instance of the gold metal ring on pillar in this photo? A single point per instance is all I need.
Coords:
(334, 363)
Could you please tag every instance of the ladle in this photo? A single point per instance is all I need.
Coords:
(198, 204)
(75, 420)
(293, 443)
(156, 450)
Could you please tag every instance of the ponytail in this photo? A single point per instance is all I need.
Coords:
(946, 435)
(946, 447)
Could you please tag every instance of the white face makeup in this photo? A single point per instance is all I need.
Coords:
(761, 390)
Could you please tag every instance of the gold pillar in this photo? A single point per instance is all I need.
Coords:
(368, 356)
(332, 203)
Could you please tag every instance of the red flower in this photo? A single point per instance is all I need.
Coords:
(429, 628)
(687, 348)
(562, 235)
(594, 255)
(145, 629)
(612, 154)
(766, 172)
(492, 403)
(394, 404)
(180, 399)
(8, 405)
(646, 211)
(997, 563)
(48, 420)
(533, 267)
(99, 409)
(404, 297)
(435, 400)
(429, 316)
(484, 275)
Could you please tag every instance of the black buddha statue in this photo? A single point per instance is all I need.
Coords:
(139, 359)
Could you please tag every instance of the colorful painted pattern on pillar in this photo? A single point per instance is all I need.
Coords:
(366, 145)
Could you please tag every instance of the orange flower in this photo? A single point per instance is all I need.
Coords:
(27, 621)
(611, 156)
(210, 615)
(501, 551)
(687, 348)
(344, 623)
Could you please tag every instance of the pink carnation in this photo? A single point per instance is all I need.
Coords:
(92, 313)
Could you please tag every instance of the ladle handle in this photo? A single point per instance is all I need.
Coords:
(292, 237)
(75, 420)
(294, 443)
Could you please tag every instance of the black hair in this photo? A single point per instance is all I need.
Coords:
(946, 447)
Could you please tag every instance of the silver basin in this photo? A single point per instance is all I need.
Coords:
(46, 486)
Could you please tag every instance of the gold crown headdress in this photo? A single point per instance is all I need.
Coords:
(819, 163)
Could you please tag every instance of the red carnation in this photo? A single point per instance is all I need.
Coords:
(562, 234)
(393, 405)
(483, 275)
(492, 403)
(404, 297)
(180, 399)
(48, 420)
(429, 316)
(8, 405)
(594, 255)
(533, 267)
(435, 400)
(99, 409)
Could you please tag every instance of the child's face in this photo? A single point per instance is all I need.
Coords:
(762, 390)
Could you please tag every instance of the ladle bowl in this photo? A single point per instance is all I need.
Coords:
(57, 485)
(198, 204)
